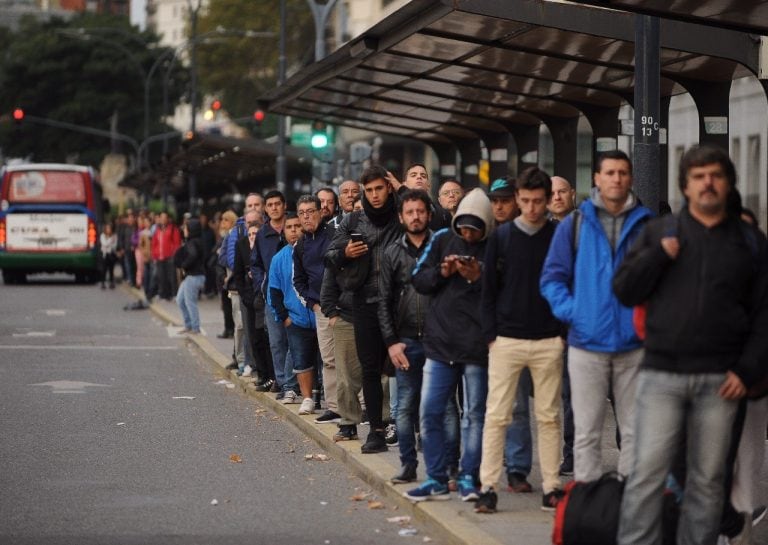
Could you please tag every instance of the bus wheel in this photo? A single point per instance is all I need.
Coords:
(9, 278)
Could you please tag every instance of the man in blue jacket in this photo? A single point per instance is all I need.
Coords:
(287, 310)
(604, 351)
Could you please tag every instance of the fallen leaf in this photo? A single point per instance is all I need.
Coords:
(214, 502)
(235, 459)
(317, 457)
(375, 504)
(427, 539)
(360, 496)
(399, 520)
(121, 423)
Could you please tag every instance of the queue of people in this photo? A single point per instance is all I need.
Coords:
(440, 323)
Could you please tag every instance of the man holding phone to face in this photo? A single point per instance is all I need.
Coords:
(359, 244)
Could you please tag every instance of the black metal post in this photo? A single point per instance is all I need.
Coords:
(647, 111)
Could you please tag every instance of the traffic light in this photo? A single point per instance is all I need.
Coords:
(319, 138)
(18, 116)
(258, 116)
(216, 105)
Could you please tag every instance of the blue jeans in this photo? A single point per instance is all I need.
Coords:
(186, 298)
(439, 383)
(281, 357)
(667, 406)
(518, 447)
(305, 352)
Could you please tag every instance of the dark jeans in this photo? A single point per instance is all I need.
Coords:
(372, 353)
(408, 401)
(226, 309)
(109, 268)
(166, 278)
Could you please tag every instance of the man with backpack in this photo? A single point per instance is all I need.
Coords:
(604, 351)
(704, 278)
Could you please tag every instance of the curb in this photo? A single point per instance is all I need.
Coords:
(451, 529)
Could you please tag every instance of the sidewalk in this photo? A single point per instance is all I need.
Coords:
(520, 521)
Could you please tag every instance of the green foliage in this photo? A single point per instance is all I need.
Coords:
(83, 71)
(241, 69)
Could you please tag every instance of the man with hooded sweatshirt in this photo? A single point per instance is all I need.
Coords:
(190, 258)
(604, 352)
(450, 270)
(357, 250)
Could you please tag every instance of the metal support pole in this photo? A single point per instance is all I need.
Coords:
(193, 102)
(320, 13)
(647, 111)
(280, 165)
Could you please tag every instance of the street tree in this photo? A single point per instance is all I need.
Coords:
(88, 71)
(240, 69)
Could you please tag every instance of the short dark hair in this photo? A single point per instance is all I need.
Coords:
(274, 194)
(373, 172)
(414, 165)
(534, 178)
(701, 155)
(330, 190)
(615, 154)
(291, 215)
(308, 199)
(414, 195)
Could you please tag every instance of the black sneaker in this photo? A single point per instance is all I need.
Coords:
(550, 500)
(264, 385)
(566, 468)
(347, 432)
(374, 443)
(486, 502)
(518, 483)
(407, 474)
(390, 434)
(328, 417)
(364, 418)
(232, 366)
(226, 334)
(280, 395)
(275, 387)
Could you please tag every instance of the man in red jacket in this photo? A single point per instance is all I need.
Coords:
(165, 242)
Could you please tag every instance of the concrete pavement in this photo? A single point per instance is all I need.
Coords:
(519, 521)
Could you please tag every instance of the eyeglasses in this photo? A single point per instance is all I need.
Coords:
(306, 213)
(451, 192)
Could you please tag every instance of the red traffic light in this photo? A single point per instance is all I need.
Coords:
(258, 116)
(18, 115)
(216, 105)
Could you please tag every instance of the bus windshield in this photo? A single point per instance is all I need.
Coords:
(48, 186)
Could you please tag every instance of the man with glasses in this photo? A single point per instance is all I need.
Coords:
(308, 268)
(449, 195)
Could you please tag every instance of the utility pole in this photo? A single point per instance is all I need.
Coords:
(193, 12)
(280, 165)
(320, 13)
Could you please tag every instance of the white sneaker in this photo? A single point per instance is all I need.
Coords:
(247, 372)
(307, 406)
(289, 398)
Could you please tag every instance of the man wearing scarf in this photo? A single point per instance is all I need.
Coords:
(359, 242)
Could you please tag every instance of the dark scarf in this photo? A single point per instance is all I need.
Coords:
(381, 216)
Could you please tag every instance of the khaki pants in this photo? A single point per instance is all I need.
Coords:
(507, 358)
(349, 374)
(325, 340)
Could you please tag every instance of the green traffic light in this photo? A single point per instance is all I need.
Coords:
(319, 140)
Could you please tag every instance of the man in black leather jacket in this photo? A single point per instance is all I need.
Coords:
(362, 248)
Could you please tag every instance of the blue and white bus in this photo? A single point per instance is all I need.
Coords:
(49, 221)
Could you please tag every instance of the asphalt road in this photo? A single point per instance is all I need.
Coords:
(113, 431)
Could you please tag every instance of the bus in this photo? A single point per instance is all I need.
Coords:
(49, 221)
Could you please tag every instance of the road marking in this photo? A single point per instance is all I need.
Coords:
(81, 347)
(55, 312)
(36, 334)
(69, 386)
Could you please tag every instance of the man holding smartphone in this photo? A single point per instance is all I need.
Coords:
(374, 229)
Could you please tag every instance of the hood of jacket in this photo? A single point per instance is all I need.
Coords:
(476, 203)
(194, 228)
(597, 200)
